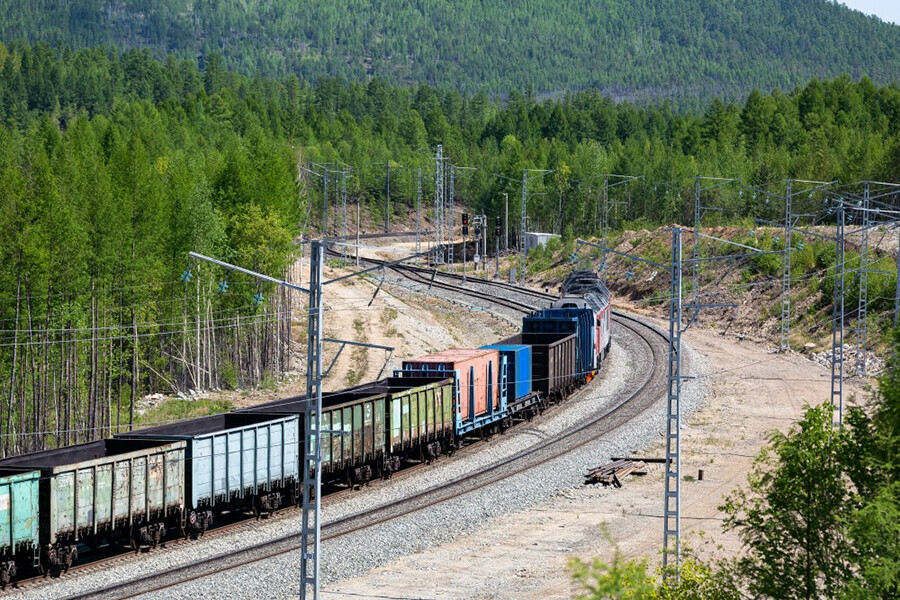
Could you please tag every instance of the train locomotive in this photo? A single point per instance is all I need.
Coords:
(139, 488)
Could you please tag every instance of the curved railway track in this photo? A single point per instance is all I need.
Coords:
(650, 390)
(647, 392)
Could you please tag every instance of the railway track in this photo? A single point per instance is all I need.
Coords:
(544, 452)
(484, 289)
(650, 389)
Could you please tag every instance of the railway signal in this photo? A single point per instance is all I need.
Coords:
(465, 224)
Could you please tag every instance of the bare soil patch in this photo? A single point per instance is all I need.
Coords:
(524, 554)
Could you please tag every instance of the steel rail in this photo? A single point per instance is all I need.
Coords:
(416, 274)
(651, 389)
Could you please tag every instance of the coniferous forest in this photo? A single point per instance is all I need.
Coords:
(133, 132)
(629, 49)
(113, 165)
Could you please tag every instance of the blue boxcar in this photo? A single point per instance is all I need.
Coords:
(518, 369)
(567, 321)
(586, 332)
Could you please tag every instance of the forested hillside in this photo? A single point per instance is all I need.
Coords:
(630, 49)
(113, 166)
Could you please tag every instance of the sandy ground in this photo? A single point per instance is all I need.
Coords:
(752, 392)
(412, 324)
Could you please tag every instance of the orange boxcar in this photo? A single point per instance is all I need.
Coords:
(476, 373)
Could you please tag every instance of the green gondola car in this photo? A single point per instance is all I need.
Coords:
(19, 519)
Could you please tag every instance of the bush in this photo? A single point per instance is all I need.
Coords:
(767, 264)
(229, 375)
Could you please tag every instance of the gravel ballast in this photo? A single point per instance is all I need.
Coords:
(359, 552)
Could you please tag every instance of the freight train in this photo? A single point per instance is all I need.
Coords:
(139, 488)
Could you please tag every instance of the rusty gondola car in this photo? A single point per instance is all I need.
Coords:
(106, 492)
(367, 430)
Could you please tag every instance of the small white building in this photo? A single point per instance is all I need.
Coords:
(534, 239)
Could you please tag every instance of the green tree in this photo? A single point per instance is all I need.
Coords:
(873, 465)
(792, 516)
(620, 580)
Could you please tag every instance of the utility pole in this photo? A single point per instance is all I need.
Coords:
(357, 234)
(672, 497)
(450, 230)
(325, 206)
(695, 254)
(837, 325)
(311, 452)
(387, 199)
(344, 213)
(699, 210)
(506, 223)
(672, 506)
(418, 210)
(541, 173)
(897, 289)
(484, 237)
(312, 449)
(497, 242)
(465, 234)
(604, 217)
(863, 305)
(438, 203)
(789, 216)
(786, 274)
(524, 218)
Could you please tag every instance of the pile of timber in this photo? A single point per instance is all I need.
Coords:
(612, 473)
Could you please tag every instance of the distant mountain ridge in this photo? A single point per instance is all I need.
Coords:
(628, 48)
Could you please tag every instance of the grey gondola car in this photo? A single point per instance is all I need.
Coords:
(368, 428)
(236, 461)
(105, 492)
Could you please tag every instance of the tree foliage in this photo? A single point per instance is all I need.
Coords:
(630, 50)
(791, 517)
(630, 580)
(113, 165)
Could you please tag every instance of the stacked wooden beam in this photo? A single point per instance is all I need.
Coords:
(612, 473)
